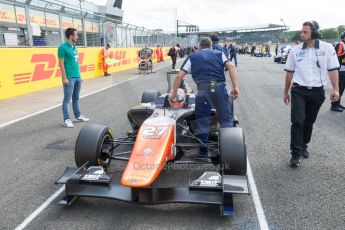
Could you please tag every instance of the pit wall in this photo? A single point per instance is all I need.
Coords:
(27, 70)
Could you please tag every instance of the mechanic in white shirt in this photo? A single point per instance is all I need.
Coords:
(307, 67)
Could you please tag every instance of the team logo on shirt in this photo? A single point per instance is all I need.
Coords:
(322, 53)
(301, 53)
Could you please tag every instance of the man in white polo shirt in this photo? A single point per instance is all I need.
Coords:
(307, 67)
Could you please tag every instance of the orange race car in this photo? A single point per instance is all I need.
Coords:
(163, 133)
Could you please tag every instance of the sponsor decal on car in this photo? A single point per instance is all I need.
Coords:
(207, 180)
(90, 177)
(208, 183)
(214, 177)
(153, 132)
(147, 152)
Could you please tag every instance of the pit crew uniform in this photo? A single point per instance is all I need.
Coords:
(207, 69)
(310, 68)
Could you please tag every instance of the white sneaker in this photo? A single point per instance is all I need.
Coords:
(68, 123)
(82, 118)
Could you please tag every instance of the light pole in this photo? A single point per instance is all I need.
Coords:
(81, 12)
(82, 22)
(281, 19)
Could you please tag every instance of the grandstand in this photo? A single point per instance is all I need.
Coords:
(266, 33)
(42, 23)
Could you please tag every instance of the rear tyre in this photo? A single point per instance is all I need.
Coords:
(93, 146)
(232, 151)
(150, 96)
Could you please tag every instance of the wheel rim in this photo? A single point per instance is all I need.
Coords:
(105, 149)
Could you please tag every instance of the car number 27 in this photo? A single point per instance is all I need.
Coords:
(154, 131)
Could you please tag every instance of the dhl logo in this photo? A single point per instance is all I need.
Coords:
(46, 66)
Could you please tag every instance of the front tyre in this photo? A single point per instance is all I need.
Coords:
(233, 153)
(93, 145)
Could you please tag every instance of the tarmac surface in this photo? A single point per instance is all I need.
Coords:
(35, 151)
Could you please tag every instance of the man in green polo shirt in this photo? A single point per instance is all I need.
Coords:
(71, 78)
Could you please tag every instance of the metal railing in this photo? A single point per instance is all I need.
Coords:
(42, 23)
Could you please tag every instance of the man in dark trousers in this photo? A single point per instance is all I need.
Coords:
(340, 49)
(226, 50)
(307, 68)
(173, 53)
(233, 53)
(207, 69)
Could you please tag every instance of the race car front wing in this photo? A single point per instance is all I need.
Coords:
(210, 188)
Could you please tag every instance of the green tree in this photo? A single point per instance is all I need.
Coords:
(331, 33)
(341, 29)
(294, 35)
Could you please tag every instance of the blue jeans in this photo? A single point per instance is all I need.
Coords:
(204, 102)
(72, 90)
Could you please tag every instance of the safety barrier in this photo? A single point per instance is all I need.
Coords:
(26, 70)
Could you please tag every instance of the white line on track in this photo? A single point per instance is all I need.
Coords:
(58, 192)
(40, 209)
(256, 199)
(58, 105)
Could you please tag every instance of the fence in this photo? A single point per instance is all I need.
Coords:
(42, 23)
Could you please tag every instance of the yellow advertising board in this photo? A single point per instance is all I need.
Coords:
(67, 22)
(91, 27)
(21, 18)
(7, 13)
(37, 17)
(77, 24)
(52, 20)
(26, 70)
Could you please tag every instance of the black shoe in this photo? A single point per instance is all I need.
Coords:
(342, 107)
(295, 160)
(215, 160)
(305, 153)
(336, 109)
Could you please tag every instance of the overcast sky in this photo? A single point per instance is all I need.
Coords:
(159, 14)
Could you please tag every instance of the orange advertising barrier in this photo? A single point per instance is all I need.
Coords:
(26, 70)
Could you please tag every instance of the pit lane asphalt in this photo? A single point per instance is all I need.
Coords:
(35, 152)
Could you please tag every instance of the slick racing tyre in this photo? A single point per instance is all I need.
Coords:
(92, 145)
(232, 150)
(145, 53)
(150, 96)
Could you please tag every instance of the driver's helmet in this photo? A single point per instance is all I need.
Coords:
(180, 99)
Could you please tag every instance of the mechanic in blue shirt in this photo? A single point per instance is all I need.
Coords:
(215, 40)
(226, 50)
(207, 69)
(233, 53)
